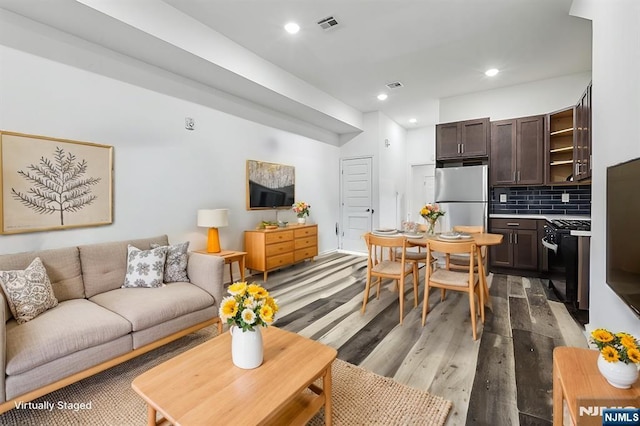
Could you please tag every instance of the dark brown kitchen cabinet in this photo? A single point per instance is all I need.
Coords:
(519, 248)
(462, 139)
(582, 146)
(561, 142)
(517, 151)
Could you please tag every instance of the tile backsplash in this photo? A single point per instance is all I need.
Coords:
(542, 200)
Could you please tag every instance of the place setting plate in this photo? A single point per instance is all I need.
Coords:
(453, 236)
(411, 235)
(385, 232)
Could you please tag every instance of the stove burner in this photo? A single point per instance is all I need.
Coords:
(571, 225)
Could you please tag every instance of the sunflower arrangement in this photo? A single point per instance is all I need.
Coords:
(616, 347)
(248, 306)
(431, 212)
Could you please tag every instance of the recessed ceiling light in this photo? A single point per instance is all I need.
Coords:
(413, 120)
(292, 28)
(382, 96)
(491, 72)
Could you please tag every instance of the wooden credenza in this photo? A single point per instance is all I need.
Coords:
(270, 249)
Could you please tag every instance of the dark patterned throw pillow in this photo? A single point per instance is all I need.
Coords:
(175, 268)
(29, 292)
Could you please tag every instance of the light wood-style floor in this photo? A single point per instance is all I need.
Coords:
(503, 378)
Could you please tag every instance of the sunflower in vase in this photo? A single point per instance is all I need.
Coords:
(621, 346)
(431, 213)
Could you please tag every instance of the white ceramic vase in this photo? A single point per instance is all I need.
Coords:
(302, 220)
(246, 347)
(618, 374)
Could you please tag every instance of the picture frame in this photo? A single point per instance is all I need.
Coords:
(53, 184)
(270, 185)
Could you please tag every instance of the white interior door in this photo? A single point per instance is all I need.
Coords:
(356, 203)
(423, 189)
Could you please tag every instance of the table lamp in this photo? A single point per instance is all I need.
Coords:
(213, 219)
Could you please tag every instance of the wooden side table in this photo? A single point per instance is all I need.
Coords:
(577, 380)
(229, 257)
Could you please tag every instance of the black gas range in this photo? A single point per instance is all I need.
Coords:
(562, 256)
(554, 228)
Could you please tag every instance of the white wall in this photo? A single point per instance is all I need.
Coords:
(616, 138)
(163, 173)
(538, 97)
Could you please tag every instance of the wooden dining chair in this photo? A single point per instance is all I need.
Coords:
(447, 279)
(460, 262)
(384, 262)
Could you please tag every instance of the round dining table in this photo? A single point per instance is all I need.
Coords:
(483, 239)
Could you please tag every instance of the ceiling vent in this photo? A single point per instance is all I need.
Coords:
(328, 23)
(395, 85)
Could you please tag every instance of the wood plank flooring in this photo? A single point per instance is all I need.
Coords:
(503, 378)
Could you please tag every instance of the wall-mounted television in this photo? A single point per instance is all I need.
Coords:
(623, 232)
(270, 185)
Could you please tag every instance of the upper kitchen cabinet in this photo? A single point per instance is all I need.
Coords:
(561, 135)
(569, 143)
(582, 147)
(517, 151)
(462, 140)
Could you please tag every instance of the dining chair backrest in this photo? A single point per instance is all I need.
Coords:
(459, 262)
(450, 247)
(384, 248)
(469, 229)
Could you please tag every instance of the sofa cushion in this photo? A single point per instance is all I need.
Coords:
(71, 326)
(105, 265)
(175, 268)
(28, 292)
(63, 268)
(146, 307)
(145, 268)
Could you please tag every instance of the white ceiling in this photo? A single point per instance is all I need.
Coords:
(436, 48)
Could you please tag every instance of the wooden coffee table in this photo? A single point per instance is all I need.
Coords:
(202, 386)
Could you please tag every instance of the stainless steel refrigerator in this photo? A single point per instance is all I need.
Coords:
(463, 194)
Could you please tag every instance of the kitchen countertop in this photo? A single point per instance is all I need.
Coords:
(545, 217)
(538, 216)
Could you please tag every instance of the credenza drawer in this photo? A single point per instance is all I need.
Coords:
(279, 248)
(306, 242)
(305, 253)
(277, 237)
(279, 260)
(305, 232)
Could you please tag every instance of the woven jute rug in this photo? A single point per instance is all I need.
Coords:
(359, 397)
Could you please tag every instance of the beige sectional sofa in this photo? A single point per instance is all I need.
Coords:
(96, 323)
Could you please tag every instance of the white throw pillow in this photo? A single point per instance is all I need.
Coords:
(29, 292)
(145, 268)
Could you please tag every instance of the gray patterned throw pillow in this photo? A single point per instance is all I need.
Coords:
(29, 292)
(145, 268)
(175, 268)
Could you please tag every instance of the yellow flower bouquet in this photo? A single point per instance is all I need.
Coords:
(431, 212)
(248, 306)
(616, 347)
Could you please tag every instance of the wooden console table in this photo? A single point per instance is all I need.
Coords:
(577, 380)
(269, 249)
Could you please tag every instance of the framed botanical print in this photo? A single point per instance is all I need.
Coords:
(49, 183)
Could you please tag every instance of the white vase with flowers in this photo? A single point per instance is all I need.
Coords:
(248, 308)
